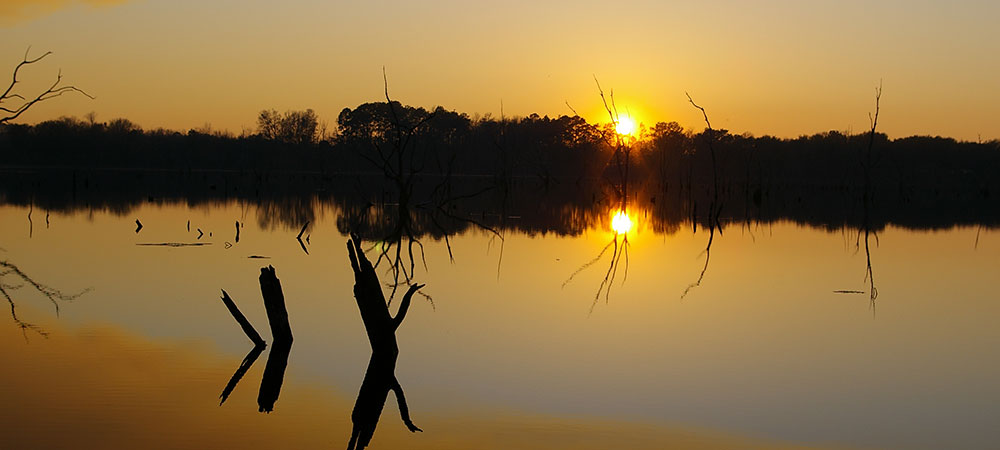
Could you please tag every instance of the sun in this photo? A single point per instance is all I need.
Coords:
(625, 126)
(621, 223)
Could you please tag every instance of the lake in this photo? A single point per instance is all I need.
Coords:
(527, 337)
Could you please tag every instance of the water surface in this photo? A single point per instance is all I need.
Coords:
(512, 349)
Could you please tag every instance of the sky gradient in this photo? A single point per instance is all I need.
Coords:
(782, 68)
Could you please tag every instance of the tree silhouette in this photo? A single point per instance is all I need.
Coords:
(293, 127)
(13, 104)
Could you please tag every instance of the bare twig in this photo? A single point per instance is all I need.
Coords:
(703, 113)
(12, 112)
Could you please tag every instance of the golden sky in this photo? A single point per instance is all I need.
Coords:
(772, 67)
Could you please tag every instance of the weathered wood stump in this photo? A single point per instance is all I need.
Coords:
(281, 334)
(274, 304)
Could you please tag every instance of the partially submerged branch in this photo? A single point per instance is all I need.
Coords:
(281, 333)
(242, 320)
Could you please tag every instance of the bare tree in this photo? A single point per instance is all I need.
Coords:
(13, 104)
(868, 201)
(621, 158)
(715, 207)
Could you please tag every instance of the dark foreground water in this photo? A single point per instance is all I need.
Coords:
(520, 345)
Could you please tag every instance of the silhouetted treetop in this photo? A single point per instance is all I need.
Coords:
(293, 127)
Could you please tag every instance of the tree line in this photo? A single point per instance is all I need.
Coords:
(548, 149)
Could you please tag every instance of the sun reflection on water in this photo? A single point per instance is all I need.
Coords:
(620, 222)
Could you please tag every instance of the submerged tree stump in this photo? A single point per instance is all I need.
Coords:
(381, 327)
(281, 335)
(274, 304)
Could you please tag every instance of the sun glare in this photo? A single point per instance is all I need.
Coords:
(625, 126)
(621, 223)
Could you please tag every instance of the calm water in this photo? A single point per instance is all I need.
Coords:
(762, 353)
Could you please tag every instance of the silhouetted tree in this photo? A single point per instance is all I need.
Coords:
(293, 127)
(13, 104)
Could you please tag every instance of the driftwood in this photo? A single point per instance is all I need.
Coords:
(274, 304)
(380, 376)
(242, 320)
(281, 334)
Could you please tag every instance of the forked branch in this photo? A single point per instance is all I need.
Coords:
(12, 110)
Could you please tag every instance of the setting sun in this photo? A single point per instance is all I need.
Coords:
(625, 125)
(621, 223)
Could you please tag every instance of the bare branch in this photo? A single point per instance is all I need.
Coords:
(614, 119)
(55, 90)
(703, 113)
(567, 105)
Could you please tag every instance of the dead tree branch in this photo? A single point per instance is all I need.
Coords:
(13, 104)
(250, 331)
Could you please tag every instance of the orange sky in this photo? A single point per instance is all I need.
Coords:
(777, 67)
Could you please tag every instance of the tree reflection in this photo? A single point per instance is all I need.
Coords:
(619, 246)
(708, 258)
(13, 278)
(715, 205)
(868, 164)
(247, 363)
(869, 275)
(618, 136)
(393, 141)
(274, 375)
